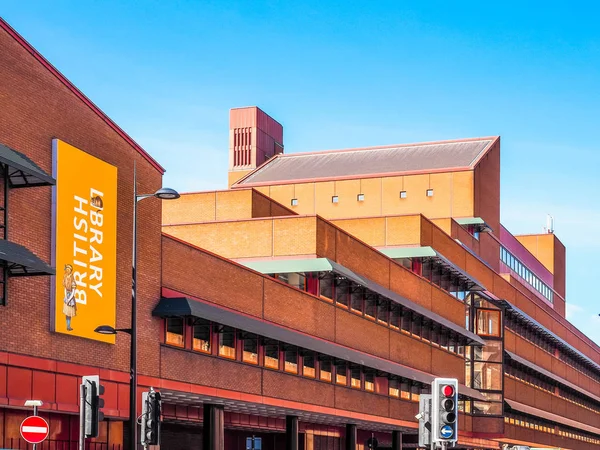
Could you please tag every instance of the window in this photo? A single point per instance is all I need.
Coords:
(297, 280)
(294, 202)
(291, 360)
(360, 197)
(492, 351)
(487, 376)
(393, 388)
(429, 192)
(250, 353)
(355, 378)
(395, 318)
(227, 342)
(404, 391)
(174, 331)
(369, 382)
(325, 371)
(415, 393)
(382, 311)
(370, 307)
(402, 194)
(272, 356)
(356, 300)
(202, 331)
(335, 199)
(326, 286)
(488, 322)
(341, 377)
(342, 293)
(308, 366)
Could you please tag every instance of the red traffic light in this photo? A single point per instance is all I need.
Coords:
(448, 390)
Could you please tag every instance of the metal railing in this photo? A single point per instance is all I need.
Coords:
(53, 444)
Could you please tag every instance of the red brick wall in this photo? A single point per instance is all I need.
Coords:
(487, 187)
(35, 106)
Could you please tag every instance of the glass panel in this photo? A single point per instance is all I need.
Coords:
(272, 356)
(355, 378)
(492, 351)
(488, 323)
(291, 361)
(250, 353)
(395, 318)
(393, 388)
(487, 376)
(325, 371)
(404, 391)
(382, 311)
(326, 286)
(297, 280)
(174, 331)
(342, 292)
(341, 376)
(202, 331)
(308, 366)
(415, 393)
(357, 300)
(227, 342)
(369, 382)
(370, 307)
(487, 408)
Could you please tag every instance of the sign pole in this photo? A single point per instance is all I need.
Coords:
(35, 413)
(82, 389)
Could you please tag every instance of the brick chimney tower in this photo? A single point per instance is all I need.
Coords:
(254, 137)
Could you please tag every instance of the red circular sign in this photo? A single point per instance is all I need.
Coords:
(448, 390)
(34, 429)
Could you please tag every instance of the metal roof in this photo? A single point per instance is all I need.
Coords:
(548, 374)
(325, 265)
(183, 306)
(302, 266)
(429, 253)
(560, 420)
(461, 154)
(22, 171)
(20, 261)
(511, 309)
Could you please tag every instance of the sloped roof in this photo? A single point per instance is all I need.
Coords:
(373, 161)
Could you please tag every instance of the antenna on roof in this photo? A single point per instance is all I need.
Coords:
(549, 228)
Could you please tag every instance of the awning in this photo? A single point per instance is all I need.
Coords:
(302, 266)
(429, 253)
(541, 414)
(20, 261)
(324, 264)
(408, 304)
(548, 374)
(511, 309)
(22, 171)
(478, 222)
(182, 306)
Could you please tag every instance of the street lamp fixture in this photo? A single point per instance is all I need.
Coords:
(107, 329)
(162, 194)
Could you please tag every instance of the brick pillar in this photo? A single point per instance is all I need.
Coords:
(396, 440)
(350, 436)
(213, 436)
(291, 433)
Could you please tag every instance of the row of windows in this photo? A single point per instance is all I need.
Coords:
(438, 274)
(256, 350)
(545, 427)
(551, 388)
(531, 334)
(521, 269)
(361, 197)
(359, 300)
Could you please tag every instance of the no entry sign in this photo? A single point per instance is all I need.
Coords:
(34, 429)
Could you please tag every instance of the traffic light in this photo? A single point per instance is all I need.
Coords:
(150, 434)
(92, 404)
(444, 410)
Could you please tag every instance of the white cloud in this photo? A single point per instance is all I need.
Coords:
(573, 310)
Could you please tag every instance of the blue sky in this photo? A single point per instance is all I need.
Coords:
(342, 74)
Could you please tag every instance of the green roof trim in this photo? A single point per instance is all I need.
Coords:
(408, 252)
(470, 221)
(302, 266)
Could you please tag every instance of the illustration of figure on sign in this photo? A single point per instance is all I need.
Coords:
(69, 307)
(97, 202)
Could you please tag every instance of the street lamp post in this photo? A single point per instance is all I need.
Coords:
(162, 194)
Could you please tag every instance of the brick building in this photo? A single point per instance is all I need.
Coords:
(315, 300)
